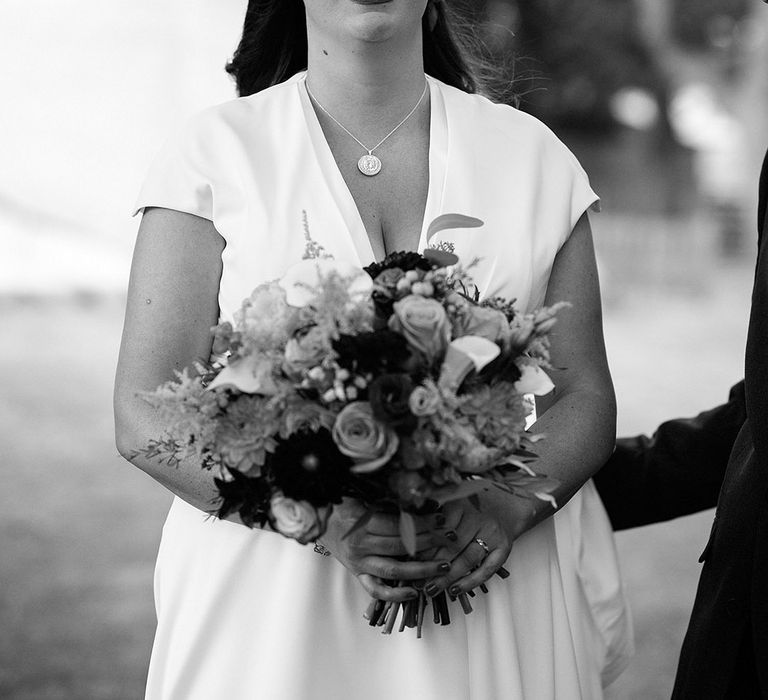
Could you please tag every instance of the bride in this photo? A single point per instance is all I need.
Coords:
(363, 120)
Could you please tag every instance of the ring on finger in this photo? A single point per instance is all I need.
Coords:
(484, 545)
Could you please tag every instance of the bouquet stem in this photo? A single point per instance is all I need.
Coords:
(384, 614)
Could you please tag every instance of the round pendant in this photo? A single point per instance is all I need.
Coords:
(369, 165)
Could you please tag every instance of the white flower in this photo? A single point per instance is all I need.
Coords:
(533, 380)
(265, 318)
(465, 354)
(251, 375)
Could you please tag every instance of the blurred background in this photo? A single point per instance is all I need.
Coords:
(665, 102)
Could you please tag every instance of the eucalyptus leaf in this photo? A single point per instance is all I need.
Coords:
(522, 466)
(531, 484)
(464, 490)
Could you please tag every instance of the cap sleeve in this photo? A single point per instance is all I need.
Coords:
(572, 189)
(180, 175)
(563, 195)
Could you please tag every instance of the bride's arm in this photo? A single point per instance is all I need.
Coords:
(578, 419)
(171, 306)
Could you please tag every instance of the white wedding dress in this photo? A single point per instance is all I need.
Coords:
(246, 615)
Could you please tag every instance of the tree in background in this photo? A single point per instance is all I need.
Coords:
(700, 24)
(572, 56)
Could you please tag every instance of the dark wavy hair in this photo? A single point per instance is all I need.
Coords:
(274, 47)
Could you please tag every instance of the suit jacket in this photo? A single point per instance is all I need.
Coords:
(720, 457)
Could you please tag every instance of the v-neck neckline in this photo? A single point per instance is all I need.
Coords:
(341, 194)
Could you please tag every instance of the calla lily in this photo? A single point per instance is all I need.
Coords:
(533, 380)
(251, 375)
(463, 355)
(301, 280)
(446, 221)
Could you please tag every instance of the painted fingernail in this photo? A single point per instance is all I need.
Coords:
(451, 535)
(431, 590)
(454, 590)
(445, 566)
(502, 573)
(465, 604)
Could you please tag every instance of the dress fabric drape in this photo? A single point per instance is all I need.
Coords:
(249, 615)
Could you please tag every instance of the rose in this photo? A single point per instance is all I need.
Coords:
(424, 401)
(360, 436)
(490, 324)
(471, 319)
(304, 351)
(388, 395)
(298, 520)
(423, 323)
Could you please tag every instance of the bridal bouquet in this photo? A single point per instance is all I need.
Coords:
(394, 385)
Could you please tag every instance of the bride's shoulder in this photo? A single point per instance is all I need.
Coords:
(241, 116)
(495, 119)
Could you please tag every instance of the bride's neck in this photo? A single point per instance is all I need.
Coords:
(365, 82)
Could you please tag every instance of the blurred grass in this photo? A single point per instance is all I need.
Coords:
(79, 527)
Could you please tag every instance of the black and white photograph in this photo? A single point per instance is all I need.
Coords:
(384, 350)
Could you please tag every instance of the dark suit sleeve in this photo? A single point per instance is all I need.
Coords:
(677, 472)
(762, 204)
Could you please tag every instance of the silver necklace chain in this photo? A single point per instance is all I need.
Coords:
(369, 164)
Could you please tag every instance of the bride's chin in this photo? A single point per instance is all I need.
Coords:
(375, 30)
(379, 21)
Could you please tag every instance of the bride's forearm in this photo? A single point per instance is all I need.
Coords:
(579, 433)
(172, 304)
(135, 426)
(578, 436)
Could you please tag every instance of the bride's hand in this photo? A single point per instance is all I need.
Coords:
(371, 552)
(478, 545)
